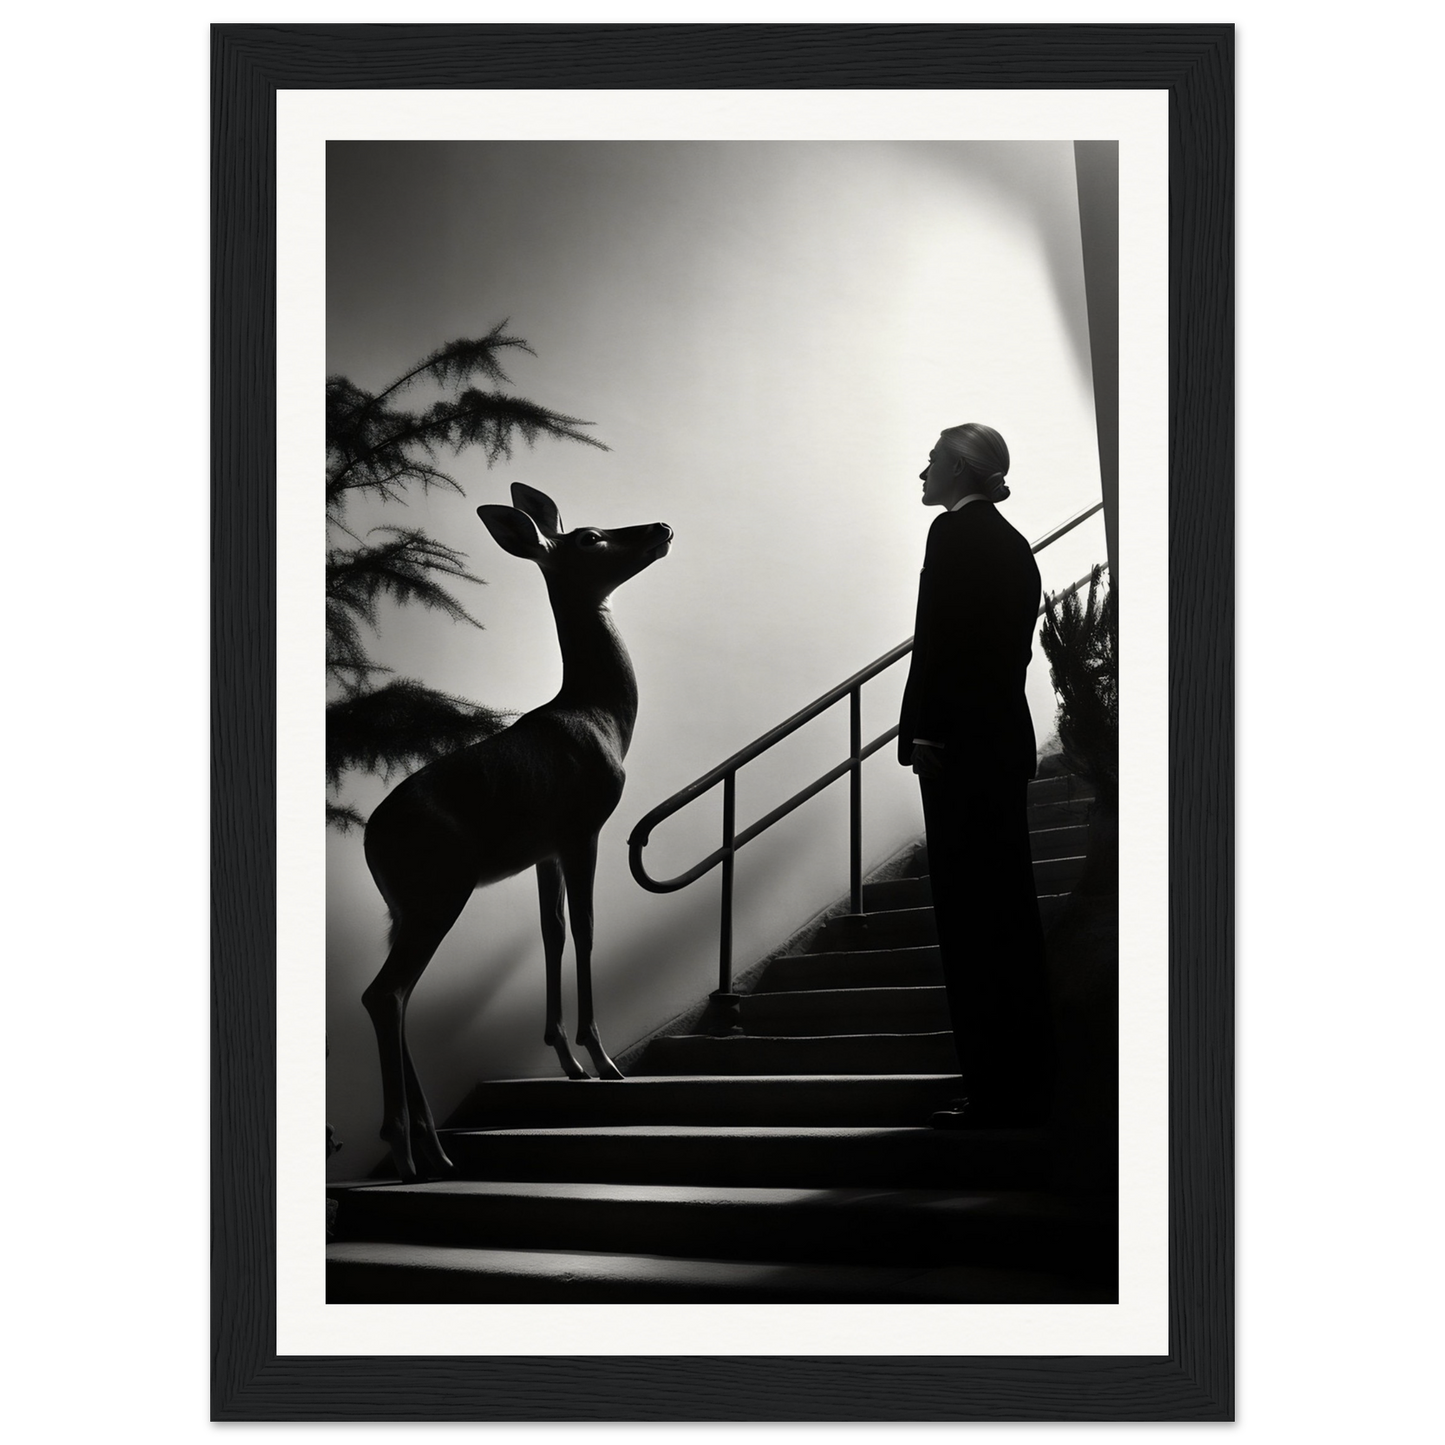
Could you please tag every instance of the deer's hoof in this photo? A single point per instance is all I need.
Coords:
(432, 1158)
(398, 1139)
(571, 1067)
(606, 1069)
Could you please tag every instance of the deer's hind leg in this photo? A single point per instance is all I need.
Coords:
(550, 893)
(428, 1154)
(406, 1116)
(579, 866)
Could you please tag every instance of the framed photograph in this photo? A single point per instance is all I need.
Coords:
(599, 862)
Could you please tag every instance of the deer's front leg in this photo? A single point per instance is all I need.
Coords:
(579, 864)
(554, 938)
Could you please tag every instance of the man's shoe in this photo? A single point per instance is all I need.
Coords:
(965, 1113)
(954, 1116)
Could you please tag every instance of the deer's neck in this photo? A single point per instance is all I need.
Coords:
(596, 671)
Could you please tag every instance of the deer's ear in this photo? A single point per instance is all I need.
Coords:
(515, 532)
(539, 507)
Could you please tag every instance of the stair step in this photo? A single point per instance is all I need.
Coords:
(915, 1157)
(1061, 836)
(1058, 875)
(892, 928)
(898, 893)
(860, 968)
(1052, 803)
(816, 1100)
(1056, 870)
(847, 1010)
(912, 928)
(1054, 815)
(1068, 841)
(923, 1227)
(872, 1053)
(365, 1272)
(1051, 905)
(1064, 788)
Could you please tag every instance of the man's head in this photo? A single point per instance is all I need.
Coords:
(966, 460)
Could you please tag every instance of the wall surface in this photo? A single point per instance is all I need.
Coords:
(768, 337)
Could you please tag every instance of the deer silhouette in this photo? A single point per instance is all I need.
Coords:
(534, 795)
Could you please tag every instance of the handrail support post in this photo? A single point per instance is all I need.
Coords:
(725, 932)
(726, 1010)
(855, 800)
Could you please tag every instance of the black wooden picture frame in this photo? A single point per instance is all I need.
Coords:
(1194, 1381)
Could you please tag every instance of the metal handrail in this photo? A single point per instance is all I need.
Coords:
(726, 774)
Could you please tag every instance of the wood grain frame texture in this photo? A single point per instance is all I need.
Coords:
(1195, 1380)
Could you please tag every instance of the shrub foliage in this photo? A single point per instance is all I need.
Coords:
(1080, 640)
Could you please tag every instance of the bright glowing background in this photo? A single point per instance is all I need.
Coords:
(769, 337)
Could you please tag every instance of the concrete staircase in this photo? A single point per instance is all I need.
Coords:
(791, 1162)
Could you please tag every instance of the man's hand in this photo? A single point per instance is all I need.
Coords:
(927, 760)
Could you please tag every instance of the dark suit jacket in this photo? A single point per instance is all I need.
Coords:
(978, 603)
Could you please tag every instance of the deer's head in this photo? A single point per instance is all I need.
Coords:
(588, 563)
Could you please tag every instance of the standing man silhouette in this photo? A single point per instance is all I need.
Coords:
(965, 730)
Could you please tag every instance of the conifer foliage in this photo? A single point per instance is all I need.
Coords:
(1080, 641)
(380, 446)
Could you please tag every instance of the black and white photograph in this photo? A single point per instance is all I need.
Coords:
(722, 721)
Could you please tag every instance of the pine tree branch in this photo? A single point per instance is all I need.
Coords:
(343, 817)
(449, 362)
(474, 418)
(402, 725)
(357, 578)
(412, 471)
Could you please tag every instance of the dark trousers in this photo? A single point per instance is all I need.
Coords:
(989, 937)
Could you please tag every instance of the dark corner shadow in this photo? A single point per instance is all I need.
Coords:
(1007, 172)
